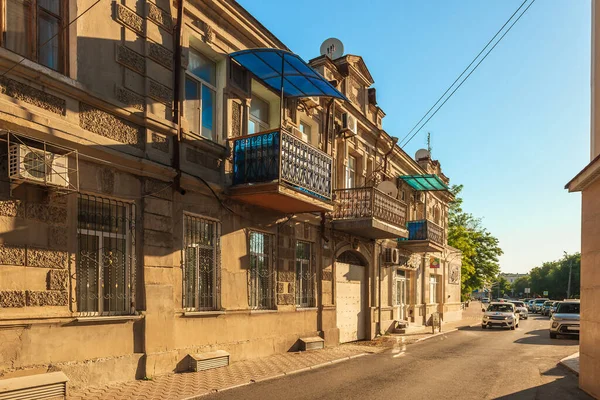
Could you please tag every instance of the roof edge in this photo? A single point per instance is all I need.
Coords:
(585, 177)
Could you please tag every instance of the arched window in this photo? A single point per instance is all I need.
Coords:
(351, 257)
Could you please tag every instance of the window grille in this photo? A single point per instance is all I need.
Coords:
(305, 276)
(105, 279)
(261, 274)
(201, 267)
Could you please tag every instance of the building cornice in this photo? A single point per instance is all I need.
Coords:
(585, 177)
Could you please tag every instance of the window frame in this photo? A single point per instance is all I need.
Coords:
(433, 289)
(255, 299)
(350, 172)
(263, 125)
(33, 50)
(309, 276)
(199, 82)
(305, 136)
(214, 298)
(130, 266)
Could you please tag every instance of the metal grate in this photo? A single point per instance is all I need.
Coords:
(369, 202)
(305, 275)
(105, 279)
(261, 275)
(201, 268)
(425, 230)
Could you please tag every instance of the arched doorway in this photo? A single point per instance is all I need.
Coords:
(351, 296)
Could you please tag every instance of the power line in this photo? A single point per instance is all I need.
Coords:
(60, 31)
(470, 73)
(465, 70)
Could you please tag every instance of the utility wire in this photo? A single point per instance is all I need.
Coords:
(470, 73)
(60, 31)
(464, 71)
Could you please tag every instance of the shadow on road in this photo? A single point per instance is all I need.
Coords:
(564, 388)
(479, 329)
(542, 337)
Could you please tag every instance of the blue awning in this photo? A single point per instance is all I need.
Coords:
(425, 182)
(299, 79)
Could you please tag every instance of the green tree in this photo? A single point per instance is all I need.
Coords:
(480, 249)
(520, 284)
(553, 276)
(501, 287)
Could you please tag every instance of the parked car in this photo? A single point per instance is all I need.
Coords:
(485, 300)
(521, 309)
(546, 307)
(537, 305)
(565, 321)
(500, 314)
(553, 308)
(530, 305)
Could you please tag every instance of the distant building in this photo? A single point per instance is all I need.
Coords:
(512, 277)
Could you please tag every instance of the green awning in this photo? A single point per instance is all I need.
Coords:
(425, 182)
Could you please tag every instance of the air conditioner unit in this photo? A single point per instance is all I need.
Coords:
(35, 165)
(391, 256)
(349, 123)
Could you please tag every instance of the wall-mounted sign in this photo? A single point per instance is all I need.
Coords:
(434, 262)
(527, 290)
(545, 293)
(454, 274)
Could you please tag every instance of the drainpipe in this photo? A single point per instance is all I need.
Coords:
(379, 331)
(177, 96)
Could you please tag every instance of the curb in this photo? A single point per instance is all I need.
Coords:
(445, 332)
(574, 371)
(565, 362)
(279, 375)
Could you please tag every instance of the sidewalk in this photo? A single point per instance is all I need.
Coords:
(571, 363)
(187, 386)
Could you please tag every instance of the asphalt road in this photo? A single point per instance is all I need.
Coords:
(470, 363)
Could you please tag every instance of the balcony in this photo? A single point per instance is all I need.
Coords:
(370, 213)
(424, 236)
(278, 171)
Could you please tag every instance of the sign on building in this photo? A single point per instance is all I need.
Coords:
(434, 262)
(527, 290)
(545, 293)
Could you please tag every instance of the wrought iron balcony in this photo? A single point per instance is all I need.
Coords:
(279, 171)
(370, 213)
(424, 236)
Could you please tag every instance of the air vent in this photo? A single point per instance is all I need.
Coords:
(311, 343)
(204, 361)
(35, 387)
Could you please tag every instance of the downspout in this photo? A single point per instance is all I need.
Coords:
(177, 96)
(379, 332)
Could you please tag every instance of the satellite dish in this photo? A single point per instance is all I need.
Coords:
(332, 48)
(422, 155)
(389, 188)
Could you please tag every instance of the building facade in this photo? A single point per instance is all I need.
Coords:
(587, 182)
(160, 200)
(511, 278)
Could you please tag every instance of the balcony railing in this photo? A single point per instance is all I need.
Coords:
(425, 230)
(278, 156)
(369, 202)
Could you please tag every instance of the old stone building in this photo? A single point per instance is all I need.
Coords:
(162, 197)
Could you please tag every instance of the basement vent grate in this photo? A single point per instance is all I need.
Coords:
(311, 343)
(35, 387)
(204, 361)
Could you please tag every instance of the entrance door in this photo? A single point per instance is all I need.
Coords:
(401, 297)
(351, 301)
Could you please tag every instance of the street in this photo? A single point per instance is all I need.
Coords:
(470, 363)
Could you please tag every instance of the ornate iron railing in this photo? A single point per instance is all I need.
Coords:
(369, 202)
(278, 156)
(425, 230)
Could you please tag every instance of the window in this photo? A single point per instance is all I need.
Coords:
(305, 133)
(32, 29)
(105, 278)
(200, 95)
(305, 277)
(433, 288)
(258, 121)
(261, 275)
(351, 172)
(201, 263)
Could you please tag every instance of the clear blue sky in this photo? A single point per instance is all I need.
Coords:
(513, 134)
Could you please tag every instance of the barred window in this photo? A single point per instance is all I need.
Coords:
(105, 278)
(305, 277)
(261, 276)
(201, 265)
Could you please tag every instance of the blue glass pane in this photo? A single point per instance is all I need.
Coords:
(255, 65)
(202, 67)
(271, 58)
(208, 113)
(300, 65)
(326, 87)
(304, 85)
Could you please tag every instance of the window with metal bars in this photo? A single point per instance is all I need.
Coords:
(305, 276)
(105, 278)
(201, 267)
(261, 273)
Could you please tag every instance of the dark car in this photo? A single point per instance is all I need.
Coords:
(546, 307)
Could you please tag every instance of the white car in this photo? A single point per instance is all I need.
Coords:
(521, 309)
(565, 321)
(503, 315)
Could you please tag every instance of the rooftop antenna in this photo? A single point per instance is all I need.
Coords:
(429, 143)
(332, 48)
